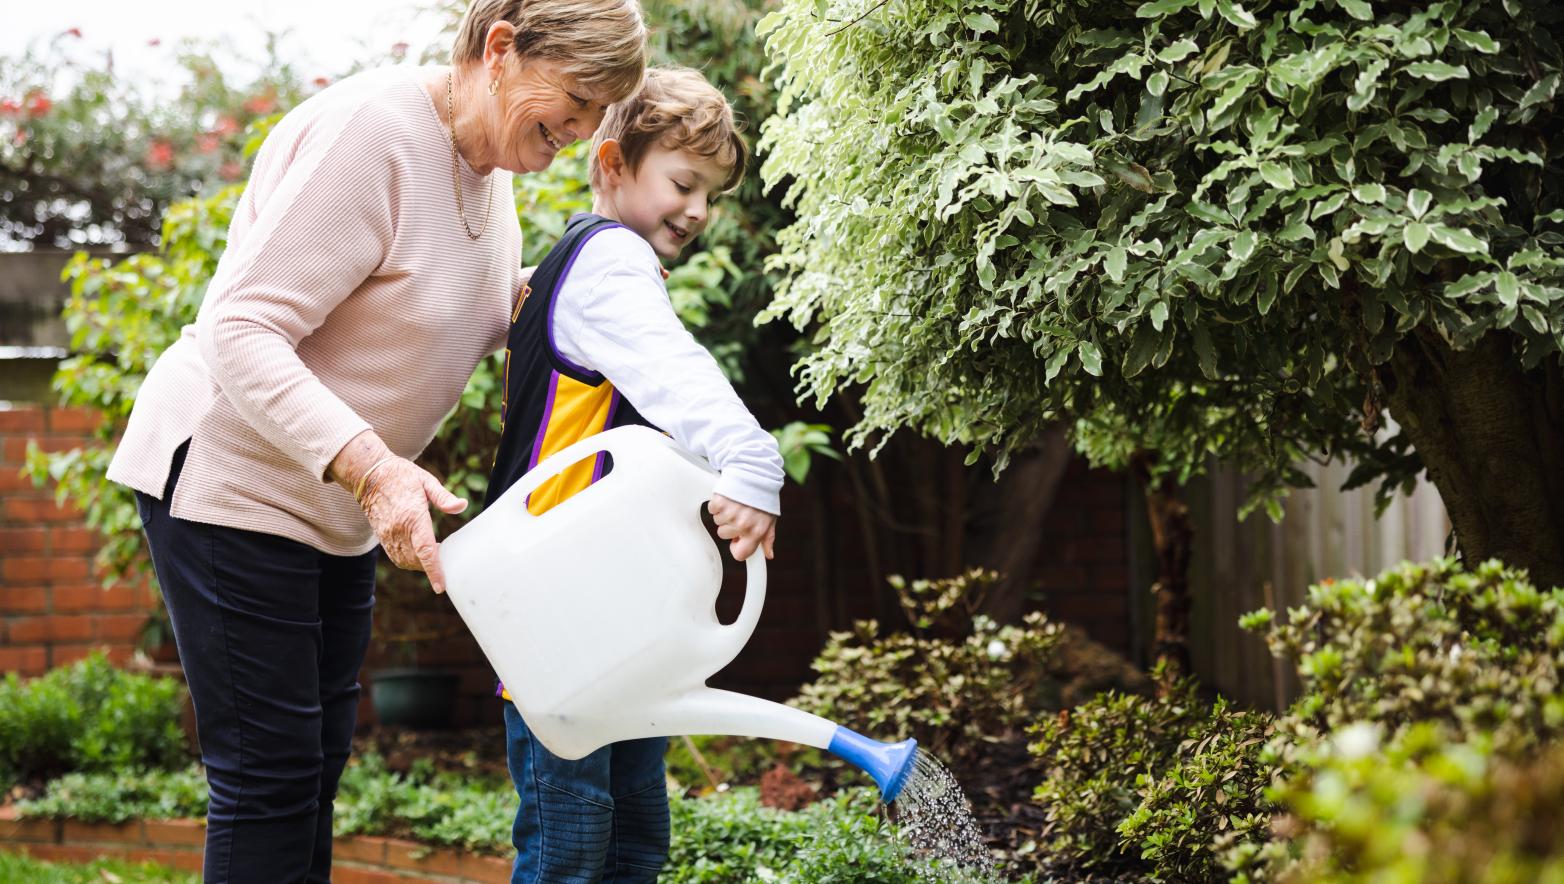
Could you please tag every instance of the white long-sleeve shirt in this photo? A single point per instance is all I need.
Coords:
(612, 316)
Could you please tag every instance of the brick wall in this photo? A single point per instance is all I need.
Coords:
(53, 608)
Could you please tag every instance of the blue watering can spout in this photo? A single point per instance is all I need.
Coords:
(888, 763)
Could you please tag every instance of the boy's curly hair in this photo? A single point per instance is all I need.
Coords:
(676, 109)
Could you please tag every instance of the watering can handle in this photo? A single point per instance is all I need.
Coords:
(732, 638)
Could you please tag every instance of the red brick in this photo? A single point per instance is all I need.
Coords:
(28, 510)
(93, 597)
(14, 481)
(63, 654)
(165, 833)
(24, 599)
(358, 875)
(486, 869)
(63, 539)
(31, 569)
(23, 660)
(71, 853)
(362, 848)
(103, 833)
(74, 420)
(50, 628)
(117, 627)
(13, 830)
(28, 419)
(22, 540)
(422, 858)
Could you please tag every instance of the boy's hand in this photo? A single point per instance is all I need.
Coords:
(745, 526)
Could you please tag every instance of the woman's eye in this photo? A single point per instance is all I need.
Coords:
(580, 102)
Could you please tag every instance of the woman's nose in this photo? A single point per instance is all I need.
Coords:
(584, 124)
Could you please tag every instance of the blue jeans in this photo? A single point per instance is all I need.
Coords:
(271, 634)
(599, 818)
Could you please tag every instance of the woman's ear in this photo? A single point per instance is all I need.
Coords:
(611, 160)
(497, 46)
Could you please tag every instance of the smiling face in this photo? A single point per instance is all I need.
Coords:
(539, 111)
(667, 200)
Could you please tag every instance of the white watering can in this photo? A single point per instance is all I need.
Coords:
(599, 615)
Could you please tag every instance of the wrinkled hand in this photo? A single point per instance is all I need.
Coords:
(744, 526)
(397, 497)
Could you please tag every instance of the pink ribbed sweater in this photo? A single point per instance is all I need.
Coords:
(349, 298)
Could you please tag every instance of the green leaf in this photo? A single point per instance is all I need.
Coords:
(1115, 263)
(1178, 51)
(1369, 193)
(982, 23)
(1415, 235)
(1277, 175)
(1158, 8)
(1204, 351)
(1457, 239)
(1236, 14)
(1358, 9)
(1482, 122)
(1508, 287)
(1091, 358)
(1157, 83)
(1437, 70)
(1243, 245)
(1418, 202)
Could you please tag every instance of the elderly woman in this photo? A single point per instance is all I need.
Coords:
(372, 262)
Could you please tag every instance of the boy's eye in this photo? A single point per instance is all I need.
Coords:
(683, 188)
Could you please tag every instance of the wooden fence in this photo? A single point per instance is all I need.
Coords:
(1242, 566)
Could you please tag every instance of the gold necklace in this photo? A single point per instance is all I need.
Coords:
(456, 169)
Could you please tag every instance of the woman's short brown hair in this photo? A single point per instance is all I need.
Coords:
(601, 44)
(676, 109)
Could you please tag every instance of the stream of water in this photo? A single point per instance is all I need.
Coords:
(935, 817)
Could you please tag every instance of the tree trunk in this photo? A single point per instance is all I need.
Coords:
(1173, 536)
(1492, 439)
(1007, 533)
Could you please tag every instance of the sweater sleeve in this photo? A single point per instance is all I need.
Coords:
(322, 221)
(614, 317)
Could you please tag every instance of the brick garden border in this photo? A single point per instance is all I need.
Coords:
(358, 859)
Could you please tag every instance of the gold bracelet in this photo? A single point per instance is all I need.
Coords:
(358, 493)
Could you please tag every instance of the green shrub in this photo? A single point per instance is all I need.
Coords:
(1418, 808)
(955, 681)
(117, 796)
(88, 717)
(1143, 785)
(429, 806)
(1480, 653)
(730, 837)
(33, 871)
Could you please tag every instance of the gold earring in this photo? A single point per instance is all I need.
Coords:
(494, 86)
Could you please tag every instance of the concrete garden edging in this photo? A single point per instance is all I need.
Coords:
(357, 859)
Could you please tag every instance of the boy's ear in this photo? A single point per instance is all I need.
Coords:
(611, 160)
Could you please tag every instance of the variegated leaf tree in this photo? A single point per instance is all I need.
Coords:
(1192, 228)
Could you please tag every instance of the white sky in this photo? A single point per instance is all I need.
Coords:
(324, 37)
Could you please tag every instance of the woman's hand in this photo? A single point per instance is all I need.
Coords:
(396, 494)
(745, 526)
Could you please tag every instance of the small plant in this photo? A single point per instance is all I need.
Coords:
(88, 717)
(117, 796)
(955, 682)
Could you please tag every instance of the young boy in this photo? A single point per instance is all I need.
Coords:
(594, 344)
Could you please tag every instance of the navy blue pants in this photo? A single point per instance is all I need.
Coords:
(271, 634)
(599, 818)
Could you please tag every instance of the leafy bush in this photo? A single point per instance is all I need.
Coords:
(1480, 653)
(957, 680)
(1419, 808)
(117, 796)
(88, 717)
(730, 837)
(1140, 785)
(436, 808)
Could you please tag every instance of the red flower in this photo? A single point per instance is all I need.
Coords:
(230, 171)
(207, 142)
(322, 82)
(155, 41)
(399, 49)
(20, 138)
(226, 126)
(73, 32)
(261, 104)
(9, 106)
(38, 104)
(160, 155)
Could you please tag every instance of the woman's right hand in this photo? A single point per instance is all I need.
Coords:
(396, 495)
